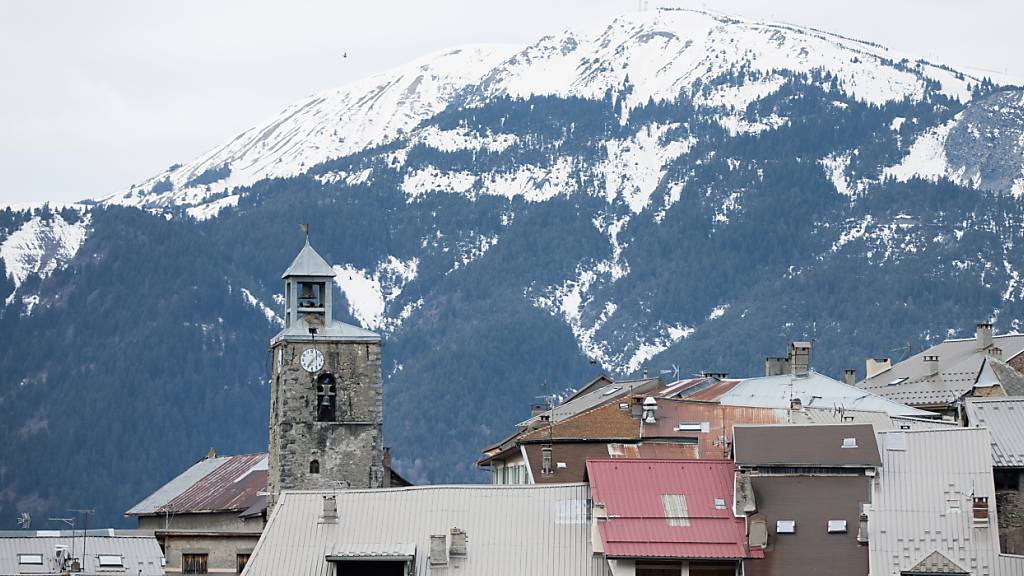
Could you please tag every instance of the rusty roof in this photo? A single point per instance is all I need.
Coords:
(667, 509)
(708, 424)
(219, 484)
(608, 422)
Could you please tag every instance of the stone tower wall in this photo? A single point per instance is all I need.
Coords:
(349, 450)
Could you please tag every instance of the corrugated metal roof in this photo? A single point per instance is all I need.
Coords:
(709, 424)
(227, 483)
(806, 445)
(540, 530)
(667, 508)
(141, 555)
(959, 364)
(606, 394)
(1004, 418)
(923, 497)
(880, 420)
(299, 332)
(814, 390)
(309, 263)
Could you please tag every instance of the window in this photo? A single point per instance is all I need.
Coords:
(1007, 479)
(314, 466)
(240, 561)
(326, 398)
(980, 509)
(837, 526)
(111, 561)
(720, 503)
(30, 559)
(194, 563)
(849, 442)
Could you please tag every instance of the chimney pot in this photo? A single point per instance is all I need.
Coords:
(931, 365)
(776, 366)
(850, 376)
(983, 335)
(800, 358)
(876, 366)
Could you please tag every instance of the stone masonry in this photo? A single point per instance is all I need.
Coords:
(347, 451)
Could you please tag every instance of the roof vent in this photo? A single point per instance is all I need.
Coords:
(796, 404)
(716, 375)
(785, 526)
(931, 365)
(438, 554)
(837, 526)
(458, 542)
(849, 442)
(862, 528)
(850, 376)
(650, 408)
(995, 352)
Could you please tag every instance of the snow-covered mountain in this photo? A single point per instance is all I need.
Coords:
(673, 188)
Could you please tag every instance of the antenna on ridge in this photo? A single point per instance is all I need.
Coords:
(305, 230)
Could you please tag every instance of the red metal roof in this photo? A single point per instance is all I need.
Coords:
(666, 508)
(233, 485)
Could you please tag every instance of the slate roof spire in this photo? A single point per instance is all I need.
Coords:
(309, 263)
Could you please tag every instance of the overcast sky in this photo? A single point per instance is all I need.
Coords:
(98, 95)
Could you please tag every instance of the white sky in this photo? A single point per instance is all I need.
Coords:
(97, 95)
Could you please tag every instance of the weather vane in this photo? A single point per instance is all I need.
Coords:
(305, 230)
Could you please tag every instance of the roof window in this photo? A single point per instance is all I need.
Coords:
(849, 442)
(610, 391)
(719, 504)
(674, 506)
(899, 381)
(30, 559)
(785, 526)
(693, 427)
(837, 526)
(111, 561)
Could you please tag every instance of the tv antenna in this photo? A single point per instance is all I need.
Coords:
(907, 349)
(85, 532)
(674, 372)
(24, 521)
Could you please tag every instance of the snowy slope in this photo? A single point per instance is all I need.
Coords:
(39, 247)
(659, 54)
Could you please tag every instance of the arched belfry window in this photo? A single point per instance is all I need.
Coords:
(326, 398)
(314, 466)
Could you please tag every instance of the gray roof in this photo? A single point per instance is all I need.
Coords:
(1004, 418)
(141, 555)
(880, 420)
(959, 365)
(540, 530)
(299, 331)
(936, 563)
(805, 445)
(814, 390)
(309, 263)
(925, 476)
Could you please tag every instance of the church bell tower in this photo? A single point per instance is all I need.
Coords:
(325, 397)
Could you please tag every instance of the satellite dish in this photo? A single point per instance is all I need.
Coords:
(24, 521)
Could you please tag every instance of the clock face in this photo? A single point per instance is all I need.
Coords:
(311, 360)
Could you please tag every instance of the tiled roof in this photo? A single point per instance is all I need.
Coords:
(959, 365)
(220, 484)
(608, 422)
(667, 509)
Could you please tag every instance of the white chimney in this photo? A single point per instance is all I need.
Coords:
(330, 513)
(931, 365)
(438, 552)
(876, 366)
(983, 335)
(850, 376)
(650, 409)
(458, 542)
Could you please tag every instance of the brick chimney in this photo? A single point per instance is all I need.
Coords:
(931, 365)
(983, 335)
(800, 358)
(850, 376)
(876, 366)
(776, 366)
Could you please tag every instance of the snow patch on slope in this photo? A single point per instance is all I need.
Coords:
(927, 157)
(636, 166)
(371, 293)
(255, 302)
(40, 247)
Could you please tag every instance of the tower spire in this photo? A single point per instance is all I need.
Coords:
(305, 230)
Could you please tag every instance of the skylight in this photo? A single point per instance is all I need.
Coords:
(611, 391)
(719, 503)
(675, 509)
(30, 559)
(111, 560)
(849, 442)
(899, 381)
(837, 526)
(785, 527)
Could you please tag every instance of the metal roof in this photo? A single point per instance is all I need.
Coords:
(309, 263)
(140, 555)
(299, 332)
(1004, 418)
(219, 484)
(814, 390)
(923, 497)
(540, 530)
(599, 396)
(811, 445)
(667, 509)
(959, 365)
(936, 563)
(880, 420)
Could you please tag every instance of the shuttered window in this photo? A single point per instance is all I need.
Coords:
(194, 563)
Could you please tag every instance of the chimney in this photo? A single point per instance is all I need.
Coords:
(330, 513)
(983, 335)
(931, 365)
(796, 404)
(800, 358)
(458, 542)
(715, 375)
(776, 366)
(537, 410)
(650, 409)
(545, 459)
(995, 352)
(212, 453)
(876, 366)
(850, 376)
(387, 467)
(438, 554)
